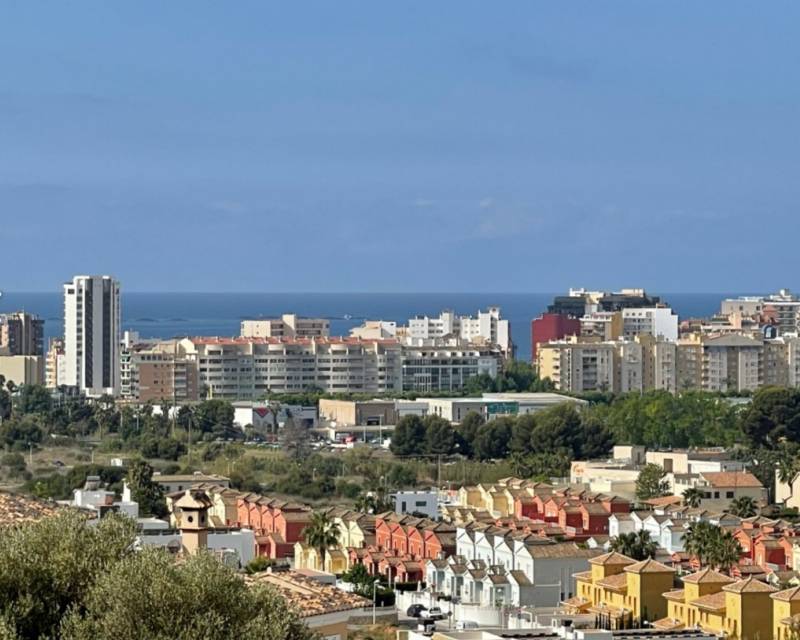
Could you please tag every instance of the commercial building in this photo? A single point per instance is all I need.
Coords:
(21, 334)
(268, 416)
(550, 327)
(92, 335)
(288, 325)
(358, 412)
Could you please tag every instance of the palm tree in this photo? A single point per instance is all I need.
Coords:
(725, 552)
(697, 539)
(638, 545)
(321, 533)
(744, 507)
(692, 497)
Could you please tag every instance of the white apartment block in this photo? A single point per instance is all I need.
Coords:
(92, 334)
(487, 327)
(659, 322)
(289, 325)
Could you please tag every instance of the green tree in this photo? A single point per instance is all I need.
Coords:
(34, 398)
(49, 567)
(147, 493)
(492, 439)
(467, 430)
(558, 429)
(743, 506)
(440, 437)
(692, 497)
(258, 564)
(320, 534)
(637, 545)
(725, 551)
(773, 415)
(148, 595)
(408, 437)
(651, 483)
(521, 432)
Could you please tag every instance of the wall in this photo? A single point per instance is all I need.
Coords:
(22, 369)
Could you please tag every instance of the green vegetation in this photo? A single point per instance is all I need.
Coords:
(321, 533)
(764, 434)
(65, 578)
(743, 506)
(712, 546)
(650, 483)
(637, 545)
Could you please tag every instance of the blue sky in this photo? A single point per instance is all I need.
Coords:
(415, 146)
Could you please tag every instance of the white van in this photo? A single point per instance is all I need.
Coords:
(466, 625)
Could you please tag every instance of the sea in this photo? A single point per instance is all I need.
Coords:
(167, 315)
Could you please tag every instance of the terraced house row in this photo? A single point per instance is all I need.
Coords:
(622, 592)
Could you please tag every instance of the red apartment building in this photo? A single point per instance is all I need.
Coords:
(552, 326)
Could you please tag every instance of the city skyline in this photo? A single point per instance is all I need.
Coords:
(319, 149)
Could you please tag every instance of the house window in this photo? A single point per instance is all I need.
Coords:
(729, 494)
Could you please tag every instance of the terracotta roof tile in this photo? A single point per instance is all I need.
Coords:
(16, 509)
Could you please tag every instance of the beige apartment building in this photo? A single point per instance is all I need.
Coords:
(54, 363)
(289, 325)
(727, 362)
(158, 372)
(577, 365)
(720, 363)
(22, 369)
(580, 364)
(244, 368)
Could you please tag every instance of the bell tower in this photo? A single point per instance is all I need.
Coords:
(193, 522)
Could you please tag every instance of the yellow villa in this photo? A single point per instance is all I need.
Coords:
(622, 590)
(306, 557)
(785, 613)
(718, 604)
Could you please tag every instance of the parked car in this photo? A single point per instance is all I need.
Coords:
(466, 625)
(415, 610)
(434, 613)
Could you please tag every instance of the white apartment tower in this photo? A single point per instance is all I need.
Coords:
(92, 335)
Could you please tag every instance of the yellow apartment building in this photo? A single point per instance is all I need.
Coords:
(785, 613)
(623, 590)
(716, 603)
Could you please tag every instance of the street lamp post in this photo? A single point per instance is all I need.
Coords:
(374, 602)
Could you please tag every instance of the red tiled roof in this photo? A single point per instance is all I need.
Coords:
(732, 479)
